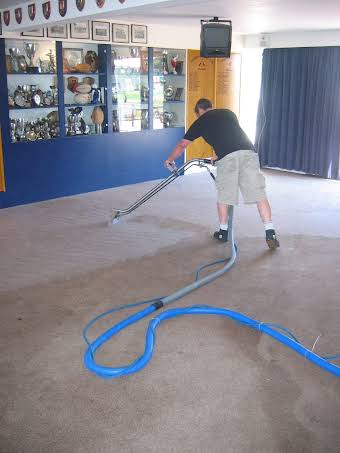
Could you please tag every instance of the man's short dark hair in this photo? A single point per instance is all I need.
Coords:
(203, 104)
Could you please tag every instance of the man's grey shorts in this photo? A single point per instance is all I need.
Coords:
(240, 171)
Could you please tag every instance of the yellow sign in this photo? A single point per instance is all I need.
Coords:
(201, 81)
(217, 79)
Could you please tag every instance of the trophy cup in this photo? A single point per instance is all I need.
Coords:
(52, 62)
(169, 92)
(168, 118)
(31, 49)
(144, 93)
(14, 53)
(20, 129)
(26, 92)
(13, 131)
(165, 65)
(174, 60)
(54, 92)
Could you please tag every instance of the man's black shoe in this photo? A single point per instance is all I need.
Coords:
(272, 240)
(221, 235)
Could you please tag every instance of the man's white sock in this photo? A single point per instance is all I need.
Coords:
(224, 226)
(268, 226)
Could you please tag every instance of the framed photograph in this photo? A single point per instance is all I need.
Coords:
(120, 33)
(72, 57)
(57, 31)
(178, 94)
(80, 30)
(36, 32)
(100, 31)
(139, 34)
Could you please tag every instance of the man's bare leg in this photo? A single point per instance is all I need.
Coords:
(222, 210)
(265, 212)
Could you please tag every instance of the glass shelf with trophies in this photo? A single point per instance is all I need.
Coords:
(169, 88)
(85, 89)
(32, 101)
(83, 95)
(130, 88)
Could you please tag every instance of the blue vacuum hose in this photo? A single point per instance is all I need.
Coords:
(142, 361)
(286, 338)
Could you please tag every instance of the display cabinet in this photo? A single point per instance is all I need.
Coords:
(168, 88)
(85, 88)
(32, 90)
(82, 116)
(78, 89)
(130, 88)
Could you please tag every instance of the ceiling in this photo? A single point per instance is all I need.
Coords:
(248, 16)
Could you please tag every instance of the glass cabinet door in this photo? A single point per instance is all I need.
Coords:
(85, 82)
(32, 89)
(169, 88)
(130, 88)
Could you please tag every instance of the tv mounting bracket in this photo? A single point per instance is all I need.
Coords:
(215, 19)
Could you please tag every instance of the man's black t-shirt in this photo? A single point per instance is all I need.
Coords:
(220, 128)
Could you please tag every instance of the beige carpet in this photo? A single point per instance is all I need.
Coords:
(213, 386)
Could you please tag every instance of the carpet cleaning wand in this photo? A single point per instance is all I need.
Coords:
(116, 214)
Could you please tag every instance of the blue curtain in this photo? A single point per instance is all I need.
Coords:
(298, 121)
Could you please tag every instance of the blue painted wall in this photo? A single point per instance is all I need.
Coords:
(42, 170)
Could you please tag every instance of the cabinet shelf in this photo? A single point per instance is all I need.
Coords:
(84, 105)
(169, 75)
(29, 74)
(167, 102)
(84, 74)
(130, 75)
(142, 106)
(35, 108)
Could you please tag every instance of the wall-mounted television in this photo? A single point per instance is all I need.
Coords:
(216, 39)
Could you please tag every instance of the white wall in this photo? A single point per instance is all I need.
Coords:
(162, 36)
(295, 39)
(251, 69)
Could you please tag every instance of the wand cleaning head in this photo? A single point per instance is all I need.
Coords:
(115, 217)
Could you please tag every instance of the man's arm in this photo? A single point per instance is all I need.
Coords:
(177, 151)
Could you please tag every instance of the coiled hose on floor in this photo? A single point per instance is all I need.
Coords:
(269, 329)
(286, 338)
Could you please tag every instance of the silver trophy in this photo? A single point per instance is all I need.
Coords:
(168, 118)
(14, 53)
(31, 49)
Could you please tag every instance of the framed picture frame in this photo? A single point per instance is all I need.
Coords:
(80, 30)
(35, 32)
(101, 31)
(139, 34)
(178, 94)
(120, 33)
(57, 31)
